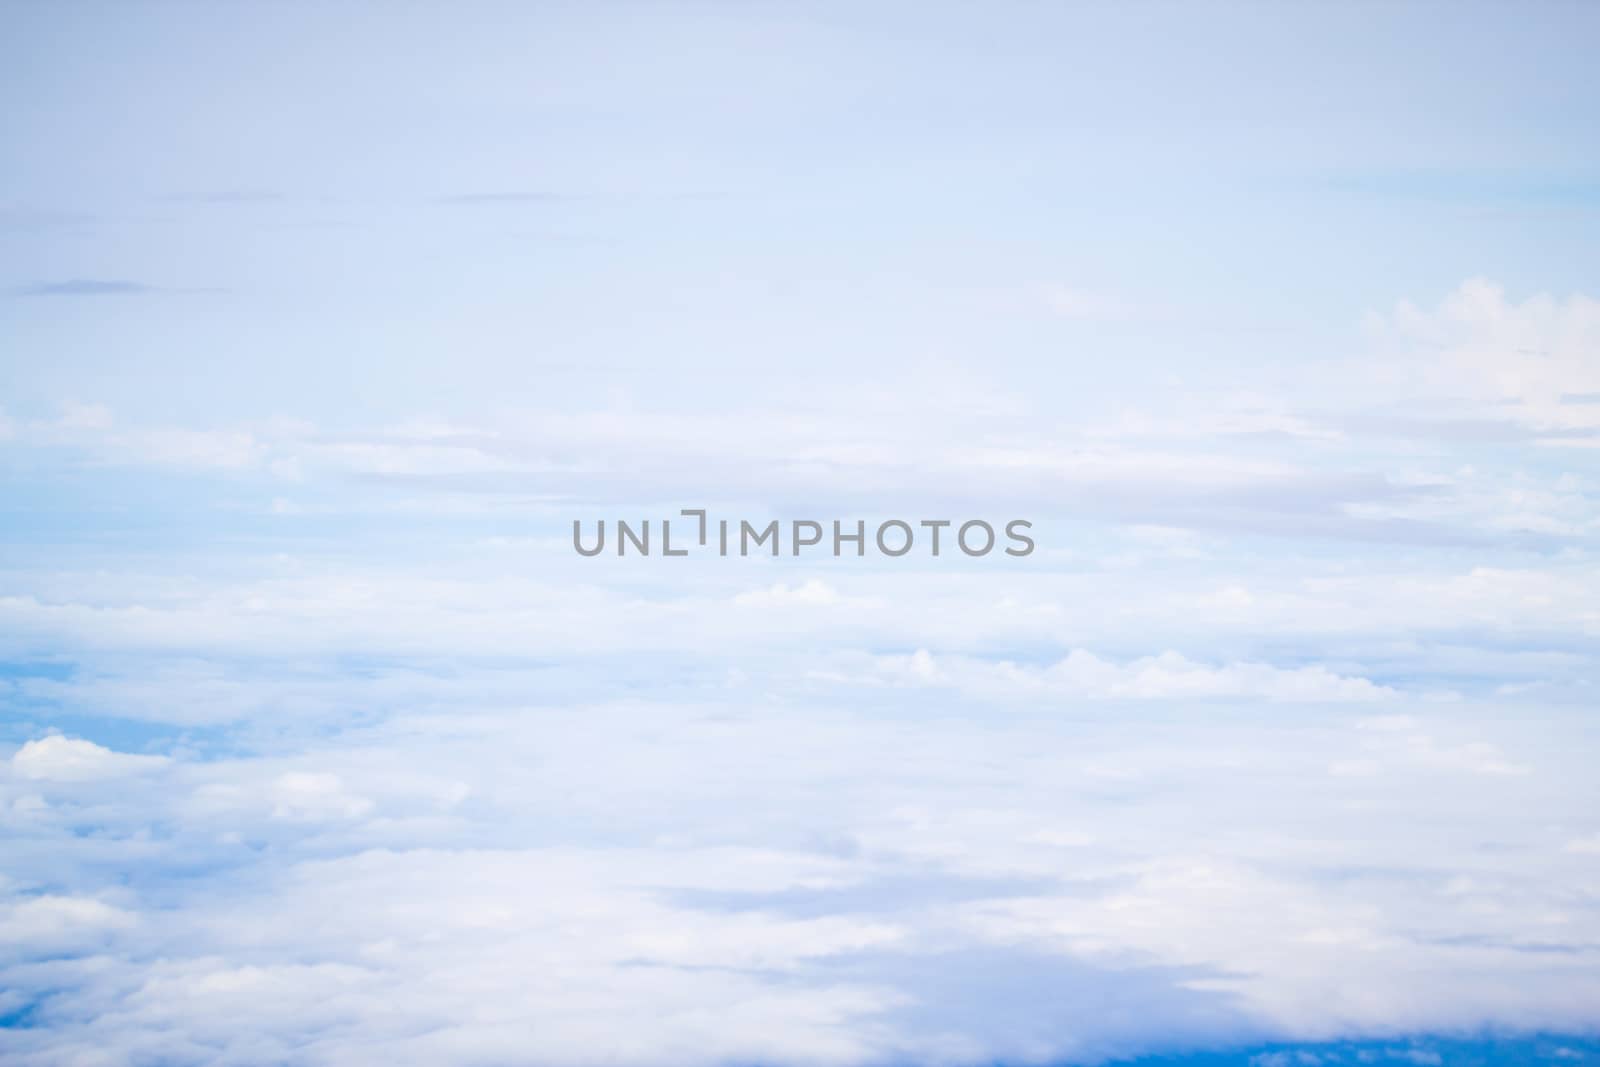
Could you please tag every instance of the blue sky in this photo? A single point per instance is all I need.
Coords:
(319, 325)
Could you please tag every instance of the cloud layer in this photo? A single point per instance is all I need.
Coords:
(321, 747)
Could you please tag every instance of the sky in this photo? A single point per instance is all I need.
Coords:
(320, 326)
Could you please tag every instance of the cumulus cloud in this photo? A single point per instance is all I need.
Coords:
(68, 759)
(1535, 359)
(465, 888)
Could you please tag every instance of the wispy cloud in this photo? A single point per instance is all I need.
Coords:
(225, 197)
(87, 287)
(506, 198)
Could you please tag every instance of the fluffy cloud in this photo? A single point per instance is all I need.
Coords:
(1538, 359)
(59, 923)
(844, 883)
(69, 759)
(1282, 732)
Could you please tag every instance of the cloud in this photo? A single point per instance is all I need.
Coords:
(1527, 360)
(296, 795)
(458, 881)
(68, 759)
(226, 196)
(1166, 676)
(1070, 302)
(489, 199)
(1399, 739)
(1228, 758)
(86, 287)
(815, 593)
(59, 923)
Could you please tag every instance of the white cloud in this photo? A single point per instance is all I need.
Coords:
(1076, 302)
(462, 883)
(437, 804)
(299, 794)
(1538, 359)
(67, 759)
(813, 593)
(59, 922)
(1166, 676)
